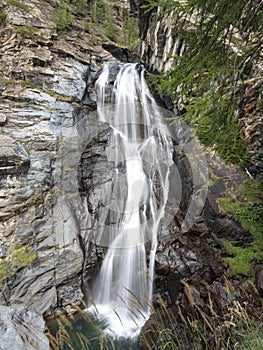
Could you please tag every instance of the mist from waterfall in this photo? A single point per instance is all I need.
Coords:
(141, 149)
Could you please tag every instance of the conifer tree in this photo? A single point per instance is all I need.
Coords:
(223, 49)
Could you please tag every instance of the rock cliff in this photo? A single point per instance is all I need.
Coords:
(43, 83)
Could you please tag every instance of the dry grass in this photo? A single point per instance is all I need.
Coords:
(204, 327)
(195, 326)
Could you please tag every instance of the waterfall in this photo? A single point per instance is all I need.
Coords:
(141, 150)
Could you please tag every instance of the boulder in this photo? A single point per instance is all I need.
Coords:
(21, 329)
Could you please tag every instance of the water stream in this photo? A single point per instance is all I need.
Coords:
(141, 149)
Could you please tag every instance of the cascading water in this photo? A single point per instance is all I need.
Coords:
(141, 150)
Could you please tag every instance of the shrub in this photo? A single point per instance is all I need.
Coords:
(62, 16)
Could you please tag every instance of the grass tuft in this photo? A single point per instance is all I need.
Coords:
(19, 4)
(247, 207)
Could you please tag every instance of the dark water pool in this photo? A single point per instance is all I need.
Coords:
(83, 332)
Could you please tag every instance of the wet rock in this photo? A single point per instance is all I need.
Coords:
(14, 159)
(21, 329)
(93, 259)
(122, 54)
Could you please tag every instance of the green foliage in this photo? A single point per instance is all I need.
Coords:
(252, 191)
(5, 271)
(27, 31)
(223, 39)
(37, 199)
(240, 263)
(130, 30)
(81, 6)
(59, 97)
(253, 340)
(22, 258)
(217, 126)
(98, 11)
(110, 27)
(248, 209)
(62, 16)
(23, 83)
(19, 4)
(26, 83)
(102, 12)
(19, 257)
(87, 26)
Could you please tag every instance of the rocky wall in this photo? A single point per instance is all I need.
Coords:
(43, 86)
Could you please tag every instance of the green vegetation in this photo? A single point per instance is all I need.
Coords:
(109, 23)
(203, 327)
(217, 126)
(130, 30)
(37, 199)
(28, 31)
(20, 256)
(19, 4)
(70, 332)
(247, 207)
(104, 13)
(26, 83)
(223, 43)
(5, 271)
(81, 6)
(87, 26)
(23, 83)
(59, 97)
(98, 11)
(63, 16)
(196, 327)
(240, 263)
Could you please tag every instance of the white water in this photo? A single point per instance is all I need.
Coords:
(122, 292)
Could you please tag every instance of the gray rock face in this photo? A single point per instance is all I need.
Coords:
(21, 329)
(158, 43)
(14, 159)
(43, 84)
